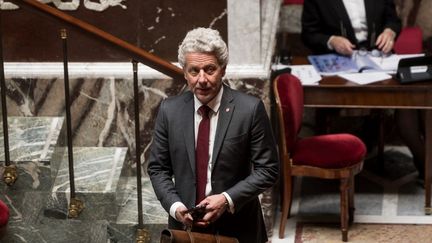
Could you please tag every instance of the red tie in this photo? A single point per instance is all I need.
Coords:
(202, 153)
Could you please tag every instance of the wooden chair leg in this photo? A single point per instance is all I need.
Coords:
(281, 190)
(344, 187)
(3, 230)
(286, 204)
(283, 174)
(351, 200)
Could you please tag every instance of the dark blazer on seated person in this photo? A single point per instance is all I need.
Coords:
(324, 18)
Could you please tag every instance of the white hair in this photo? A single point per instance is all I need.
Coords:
(203, 40)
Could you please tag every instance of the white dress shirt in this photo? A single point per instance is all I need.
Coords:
(357, 14)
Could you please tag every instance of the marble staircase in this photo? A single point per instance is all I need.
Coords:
(39, 198)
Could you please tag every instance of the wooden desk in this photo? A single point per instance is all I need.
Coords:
(337, 92)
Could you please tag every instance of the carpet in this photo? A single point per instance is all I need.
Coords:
(364, 233)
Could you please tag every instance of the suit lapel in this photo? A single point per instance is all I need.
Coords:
(340, 10)
(189, 129)
(370, 14)
(226, 111)
(370, 11)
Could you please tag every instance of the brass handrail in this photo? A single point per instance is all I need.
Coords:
(134, 52)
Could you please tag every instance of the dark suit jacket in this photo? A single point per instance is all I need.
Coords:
(244, 160)
(322, 19)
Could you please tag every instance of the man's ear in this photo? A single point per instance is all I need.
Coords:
(223, 71)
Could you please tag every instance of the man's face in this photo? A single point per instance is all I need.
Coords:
(204, 75)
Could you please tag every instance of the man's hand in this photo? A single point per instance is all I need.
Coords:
(215, 207)
(183, 216)
(341, 45)
(385, 40)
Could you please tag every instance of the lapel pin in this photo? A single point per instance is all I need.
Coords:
(227, 109)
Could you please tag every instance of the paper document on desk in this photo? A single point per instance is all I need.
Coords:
(306, 73)
(365, 78)
(390, 63)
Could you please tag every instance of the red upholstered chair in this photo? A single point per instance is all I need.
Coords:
(334, 156)
(409, 41)
(4, 217)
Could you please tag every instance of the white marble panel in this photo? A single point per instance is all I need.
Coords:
(252, 26)
(244, 27)
(269, 26)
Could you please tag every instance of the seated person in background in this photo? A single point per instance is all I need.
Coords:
(344, 25)
(341, 26)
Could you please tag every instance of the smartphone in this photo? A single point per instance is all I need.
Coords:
(197, 212)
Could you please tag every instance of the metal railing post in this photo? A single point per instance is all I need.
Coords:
(76, 205)
(10, 174)
(143, 235)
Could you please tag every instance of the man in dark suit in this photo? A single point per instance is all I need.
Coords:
(344, 25)
(242, 158)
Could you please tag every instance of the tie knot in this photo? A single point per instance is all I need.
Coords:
(204, 111)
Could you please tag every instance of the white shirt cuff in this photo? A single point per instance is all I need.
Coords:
(230, 202)
(330, 47)
(173, 209)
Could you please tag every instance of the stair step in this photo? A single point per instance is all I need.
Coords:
(31, 138)
(32, 142)
(153, 213)
(58, 231)
(97, 175)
